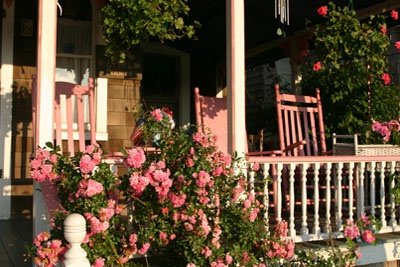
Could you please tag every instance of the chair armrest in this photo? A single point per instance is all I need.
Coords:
(265, 153)
(294, 146)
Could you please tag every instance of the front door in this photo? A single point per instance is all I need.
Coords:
(160, 85)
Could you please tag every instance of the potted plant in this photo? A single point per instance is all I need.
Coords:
(127, 23)
(348, 62)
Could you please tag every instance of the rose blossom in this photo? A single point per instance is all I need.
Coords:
(385, 78)
(397, 45)
(144, 248)
(135, 157)
(86, 164)
(157, 114)
(394, 14)
(93, 188)
(322, 11)
(317, 66)
(368, 236)
(383, 29)
(351, 231)
(98, 262)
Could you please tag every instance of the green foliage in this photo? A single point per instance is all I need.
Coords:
(396, 189)
(353, 58)
(129, 22)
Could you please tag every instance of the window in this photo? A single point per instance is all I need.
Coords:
(75, 55)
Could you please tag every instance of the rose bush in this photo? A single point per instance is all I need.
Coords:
(389, 131)
(184, 204)
(348, 62)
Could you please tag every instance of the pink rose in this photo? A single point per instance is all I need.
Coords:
(383, 29)
(322, 11)
(397, 45)
(157, 114)
(86, 164)
(351, 231)
(144, 248)
(93, 188)
(135, 157)
(98, 262)
(317, 66)
(368, 236)
(385, 78)
(394, 14)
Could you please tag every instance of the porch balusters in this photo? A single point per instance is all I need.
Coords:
(361, 196)
(393, 221)
(292, 230)
(343, 189)
(372, 172)
(382, 179)
(328, 173)
(304, 224)
(315, 173)
(339, 199)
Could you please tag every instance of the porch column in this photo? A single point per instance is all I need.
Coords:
(7, 58)
(235, 76)
(46, 64)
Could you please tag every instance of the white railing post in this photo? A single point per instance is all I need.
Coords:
(74, 233)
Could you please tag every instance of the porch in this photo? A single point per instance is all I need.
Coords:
(15, 234)
(316, 195)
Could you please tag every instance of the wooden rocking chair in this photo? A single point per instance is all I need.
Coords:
(64, 125)
(300, 124)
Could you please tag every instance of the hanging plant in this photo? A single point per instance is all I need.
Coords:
(127, 23)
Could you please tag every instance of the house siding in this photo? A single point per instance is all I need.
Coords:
(123, 101)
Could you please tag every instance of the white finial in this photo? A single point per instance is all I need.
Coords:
(74, 233)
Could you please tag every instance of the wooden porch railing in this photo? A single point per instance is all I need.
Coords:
(316, 195)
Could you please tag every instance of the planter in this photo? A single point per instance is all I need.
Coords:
(353, 148)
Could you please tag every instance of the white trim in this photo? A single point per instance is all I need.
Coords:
(101, 94)
(7, 57)
(379, 253)
(184, 82)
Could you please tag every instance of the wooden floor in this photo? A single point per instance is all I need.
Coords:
(16, 233)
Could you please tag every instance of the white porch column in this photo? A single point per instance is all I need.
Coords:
(46, 64)
(235, 76)
(7, 56)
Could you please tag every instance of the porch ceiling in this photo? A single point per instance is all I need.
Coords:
(260, 23)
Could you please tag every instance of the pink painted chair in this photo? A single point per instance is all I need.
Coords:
(212, 116)
(65, 126)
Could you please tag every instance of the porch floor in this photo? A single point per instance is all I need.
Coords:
(15, 235)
